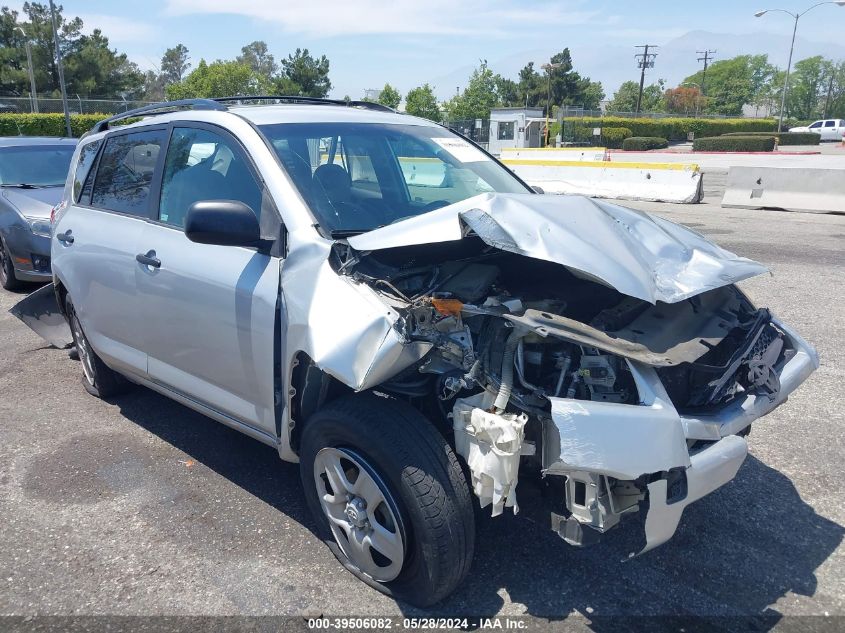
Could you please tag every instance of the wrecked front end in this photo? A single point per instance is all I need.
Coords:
(619, 405)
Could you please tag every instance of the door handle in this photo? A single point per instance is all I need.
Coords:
(148, 259)
(66, 237)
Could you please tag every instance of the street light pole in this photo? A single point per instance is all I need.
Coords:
(759, 14)
(33, 97)
(60, 68)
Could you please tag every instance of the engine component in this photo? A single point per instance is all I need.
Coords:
(598, 373)
(491, 444)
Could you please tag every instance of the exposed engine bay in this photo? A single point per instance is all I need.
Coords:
(515, 339)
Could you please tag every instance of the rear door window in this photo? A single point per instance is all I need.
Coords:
(126, 170)
(830, 123)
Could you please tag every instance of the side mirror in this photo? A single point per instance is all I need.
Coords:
(537, 189)
(222, 222)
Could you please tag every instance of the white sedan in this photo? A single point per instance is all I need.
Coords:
(830, 129)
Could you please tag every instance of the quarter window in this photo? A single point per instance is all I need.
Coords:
(81, 183)
(126, 171)
(203, 165)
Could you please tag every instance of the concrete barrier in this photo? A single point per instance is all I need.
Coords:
(791, 189)
(555, 153)
(661, 182)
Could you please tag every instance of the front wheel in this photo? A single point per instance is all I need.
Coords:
(7, 270)
(389, 497)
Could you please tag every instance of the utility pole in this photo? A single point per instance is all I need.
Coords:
(60, 68)
(829, 92)
(644, 60)
(708, 57)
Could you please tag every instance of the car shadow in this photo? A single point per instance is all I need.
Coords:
(736, 553)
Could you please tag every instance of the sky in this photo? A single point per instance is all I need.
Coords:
(408, 42)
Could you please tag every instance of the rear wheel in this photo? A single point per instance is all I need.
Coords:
(7, 270)
(389, 497)
(98, 379)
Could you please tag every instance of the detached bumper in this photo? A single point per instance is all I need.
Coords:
(594, 442)
(709, 469)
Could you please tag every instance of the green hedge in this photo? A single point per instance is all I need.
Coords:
(610, 136)
(677, 128)
(785, 138)
(734, 144)
(644, 143)
(613, 137)
(46, 124)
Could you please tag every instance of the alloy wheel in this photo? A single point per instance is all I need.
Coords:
(83, 350)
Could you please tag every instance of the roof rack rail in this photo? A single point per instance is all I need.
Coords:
(158, 108)
(219, 103)
(370, 105)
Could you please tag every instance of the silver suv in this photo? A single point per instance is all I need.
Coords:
(385, 303)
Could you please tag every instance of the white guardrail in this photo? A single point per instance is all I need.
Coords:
(789, 188)
(660, 182)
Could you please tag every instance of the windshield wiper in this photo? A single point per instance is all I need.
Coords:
(339, 234)
(25, 185)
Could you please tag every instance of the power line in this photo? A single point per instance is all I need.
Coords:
(644, 60)
(708, 57)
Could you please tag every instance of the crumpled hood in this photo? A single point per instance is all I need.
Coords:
(34, 203)
(638, 254)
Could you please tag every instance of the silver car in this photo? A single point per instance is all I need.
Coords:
(383, 302)
(32, 172)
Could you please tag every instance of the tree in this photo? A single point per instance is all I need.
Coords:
(558, 83)
(836, 103)
(683, 100)
(422, 102)
(390, 97)
(174, 64)
(625, 99)
(219, 79)
(92, 68)
(477, 98)
(592, 95)
(304, 75)
(257, 56)
(153, 86)
(732, 83)
(95, 69)
(808, 87)
(507, 90)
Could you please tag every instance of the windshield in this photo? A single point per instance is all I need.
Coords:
(36, 165)
(359, 176)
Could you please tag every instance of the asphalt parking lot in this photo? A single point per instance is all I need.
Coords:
(140, 506)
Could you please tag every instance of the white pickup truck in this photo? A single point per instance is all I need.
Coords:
(830, 129)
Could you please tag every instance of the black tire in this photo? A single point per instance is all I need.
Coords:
(422, 476)
(7, 270)
(98, 379)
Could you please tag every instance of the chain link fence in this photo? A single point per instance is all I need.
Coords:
(476, 129)
(76, 105)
